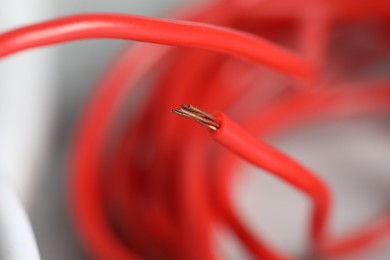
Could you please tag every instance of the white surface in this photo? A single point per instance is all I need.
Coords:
(26, 99)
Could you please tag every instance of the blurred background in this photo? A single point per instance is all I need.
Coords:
(41, 96)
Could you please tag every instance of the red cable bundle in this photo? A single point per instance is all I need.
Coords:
(155, 186)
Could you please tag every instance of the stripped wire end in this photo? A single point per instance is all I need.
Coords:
(200, 116)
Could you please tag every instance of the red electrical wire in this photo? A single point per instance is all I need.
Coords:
(149, 191)
(162, 31)
(264, 156)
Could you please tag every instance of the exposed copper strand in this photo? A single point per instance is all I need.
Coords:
(198, 115)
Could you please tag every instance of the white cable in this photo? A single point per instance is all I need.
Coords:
(17, 241)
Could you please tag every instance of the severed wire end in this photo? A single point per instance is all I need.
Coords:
(200, 116)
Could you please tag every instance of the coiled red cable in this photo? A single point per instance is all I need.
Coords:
(148, 185)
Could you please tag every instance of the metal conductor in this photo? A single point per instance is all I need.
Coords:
(199, 115)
